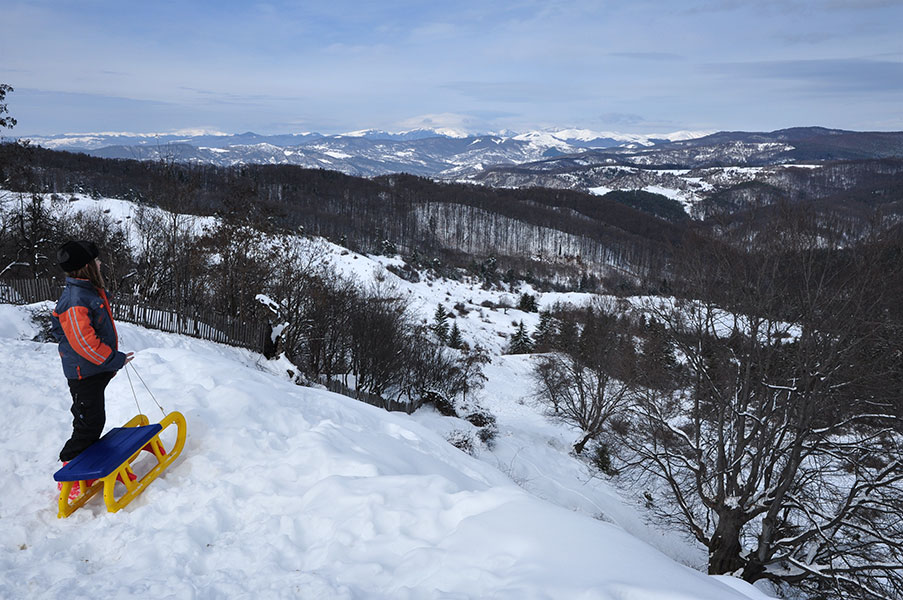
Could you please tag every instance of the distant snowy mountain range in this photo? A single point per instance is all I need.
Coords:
(688, 167)
(443, 153)
(729, 167)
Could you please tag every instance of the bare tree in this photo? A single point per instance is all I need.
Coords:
(235, 268)
(469, 376)
(783, 454)
(34, 234)
(381, 333)
(167, 261)
(319, 305)
(587, 382)
(109, 236)
(301, 288)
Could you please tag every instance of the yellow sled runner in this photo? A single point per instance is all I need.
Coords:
(110, 460)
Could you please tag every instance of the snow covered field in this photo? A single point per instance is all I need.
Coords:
(290, 492)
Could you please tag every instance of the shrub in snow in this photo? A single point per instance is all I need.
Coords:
(41, 318)
(487, 435)
(481, 418)
(405, 271)
(600, 457)
(461, 440)
(440, 403)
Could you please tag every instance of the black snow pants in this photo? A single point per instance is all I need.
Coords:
(88, 413)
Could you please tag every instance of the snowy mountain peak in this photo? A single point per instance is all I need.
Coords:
(410, 134)
(545, 139)
(587, 135)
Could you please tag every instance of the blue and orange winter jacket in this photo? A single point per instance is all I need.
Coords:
(83, 325)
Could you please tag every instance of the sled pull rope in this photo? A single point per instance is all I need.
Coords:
(145, 387)
(134, 395)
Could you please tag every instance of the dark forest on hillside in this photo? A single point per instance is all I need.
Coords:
(562, 231)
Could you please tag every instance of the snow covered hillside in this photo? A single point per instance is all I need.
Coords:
(284, 491)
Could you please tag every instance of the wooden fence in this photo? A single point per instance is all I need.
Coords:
(28, 291)
(338, 387)
(205, 325)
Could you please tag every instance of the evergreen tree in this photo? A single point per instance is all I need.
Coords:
(567, 333)
(657, 365)
(527, 303)
(440, 324)
(454, 338)
(543, 337)
(520, 341)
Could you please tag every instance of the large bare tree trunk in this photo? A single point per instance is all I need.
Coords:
(725, 548)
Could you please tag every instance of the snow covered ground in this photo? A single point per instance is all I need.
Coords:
(285, 492)
(298, 492)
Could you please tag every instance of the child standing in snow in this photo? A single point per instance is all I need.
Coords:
(88, 343)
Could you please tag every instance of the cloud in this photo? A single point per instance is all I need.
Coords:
(511, 91)
(431, 32)
(809, 37)
(461, 122)
(862, 4)
(646, 55)
(786, 6)
(825, 75)
(616, 118)
(206, 97)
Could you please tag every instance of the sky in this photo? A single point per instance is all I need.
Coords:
(638, 66)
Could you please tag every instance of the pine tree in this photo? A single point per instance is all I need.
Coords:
(527, 303)
(454, 338)
(520, 341)
(440, 324)
(566, 334)
(545, 332)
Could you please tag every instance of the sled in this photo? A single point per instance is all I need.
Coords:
(110, 459)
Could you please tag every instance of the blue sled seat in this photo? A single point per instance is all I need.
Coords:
(103, 456)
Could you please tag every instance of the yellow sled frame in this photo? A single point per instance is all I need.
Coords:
(133, 488)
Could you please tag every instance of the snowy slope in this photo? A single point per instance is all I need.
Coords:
(285, 491)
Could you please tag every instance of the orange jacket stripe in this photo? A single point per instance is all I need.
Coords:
(99, 352)
(76, 324)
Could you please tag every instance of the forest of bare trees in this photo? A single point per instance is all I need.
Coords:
(332, 327)
(552, 234)
(775, 438)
